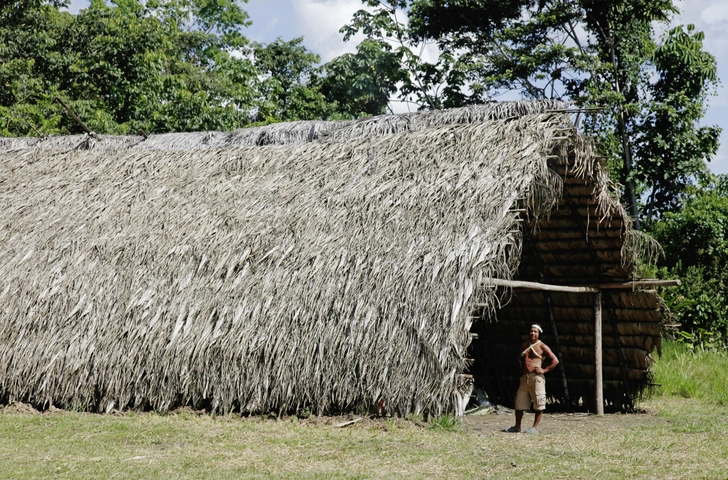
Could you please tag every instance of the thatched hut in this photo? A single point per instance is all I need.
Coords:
(321, 265)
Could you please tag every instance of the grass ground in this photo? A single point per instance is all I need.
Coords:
(677, 437)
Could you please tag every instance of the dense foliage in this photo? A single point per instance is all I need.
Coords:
(288, 87)
(157, 66)
(695, 239)
(164, 66)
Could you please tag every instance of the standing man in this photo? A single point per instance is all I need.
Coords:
(533, 383)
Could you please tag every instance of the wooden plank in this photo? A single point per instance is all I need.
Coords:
(568, 257)
(545, 234)
(350, 422)
(571, 342)
(604, 243)
(576, 313)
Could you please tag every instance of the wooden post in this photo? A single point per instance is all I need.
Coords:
(599, 391)
(75, 117)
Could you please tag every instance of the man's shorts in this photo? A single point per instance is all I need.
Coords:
(532, 388)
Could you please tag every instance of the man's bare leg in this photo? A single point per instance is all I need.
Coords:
(519, 418)
(537, 419)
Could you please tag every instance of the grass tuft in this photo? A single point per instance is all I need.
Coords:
(445, 423)
(687, 373)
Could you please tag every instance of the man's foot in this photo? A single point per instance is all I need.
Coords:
(512, 430)
(532, 431)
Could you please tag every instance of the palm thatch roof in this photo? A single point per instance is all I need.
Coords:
(308, 265)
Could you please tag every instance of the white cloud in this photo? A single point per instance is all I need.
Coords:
(77, 5)
(715, 13)
(272, 23)
(319, 22)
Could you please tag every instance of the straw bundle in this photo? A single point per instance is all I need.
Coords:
(326, 274)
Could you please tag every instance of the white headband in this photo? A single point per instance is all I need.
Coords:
(537, 327)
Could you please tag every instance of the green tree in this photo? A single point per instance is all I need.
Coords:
(289, 87)
(360, 84)
(29, 32)
(695, 240)
(669, 143)
(160, 65)
(432, 85)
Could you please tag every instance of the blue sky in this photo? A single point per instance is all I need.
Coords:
(318, 21)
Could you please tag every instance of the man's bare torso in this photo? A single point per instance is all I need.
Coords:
(532, 357)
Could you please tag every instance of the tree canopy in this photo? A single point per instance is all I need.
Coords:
(125, 66)
(156, 65)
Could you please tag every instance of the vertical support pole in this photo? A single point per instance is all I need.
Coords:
(564, 382)
(599, 391)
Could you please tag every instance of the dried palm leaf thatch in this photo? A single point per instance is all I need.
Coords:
(70, 142)
(327, 275)
(414, 122)
(274, 134)
(292, 132)
(640, 247)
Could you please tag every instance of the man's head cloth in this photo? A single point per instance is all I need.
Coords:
(537, 327)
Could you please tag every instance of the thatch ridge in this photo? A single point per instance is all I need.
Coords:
(323, 274)
(290, 132)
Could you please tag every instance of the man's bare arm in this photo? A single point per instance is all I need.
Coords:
(553, 360)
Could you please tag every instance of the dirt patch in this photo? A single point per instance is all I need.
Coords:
(18, 407)
(556, 423)
(186, 410)
(487, 425)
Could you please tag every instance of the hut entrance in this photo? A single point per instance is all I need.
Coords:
(572, 321)
(495, 365)
(497, 345)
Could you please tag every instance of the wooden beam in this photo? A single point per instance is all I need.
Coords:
(599, 390)
(646, 283)
(588, 288)
(75, 117)
(350, 422)
(497, 282)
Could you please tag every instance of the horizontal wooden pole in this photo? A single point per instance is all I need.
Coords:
(588, 288)
(646, 283)
(497, 282)
(577, 110)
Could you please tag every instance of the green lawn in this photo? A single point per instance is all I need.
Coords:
(677, 437)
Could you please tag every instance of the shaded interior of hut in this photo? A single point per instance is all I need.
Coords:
(573, 246)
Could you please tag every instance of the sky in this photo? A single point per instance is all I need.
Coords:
(319, 21)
